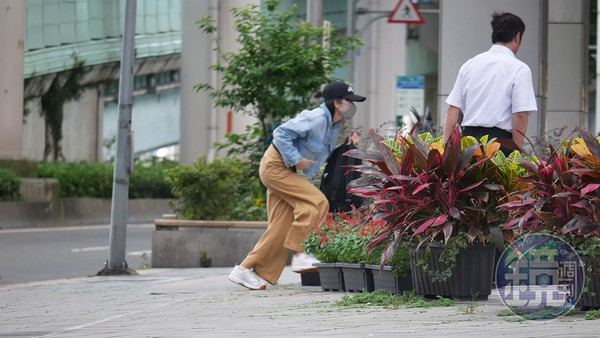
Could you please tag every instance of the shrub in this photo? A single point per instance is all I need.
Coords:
(221, 190)
(9, 185)
(148, 180)
(80, 179)
(95, 180)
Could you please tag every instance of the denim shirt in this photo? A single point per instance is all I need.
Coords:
(309, 135)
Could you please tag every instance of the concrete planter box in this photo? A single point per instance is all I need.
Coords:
(191, 244)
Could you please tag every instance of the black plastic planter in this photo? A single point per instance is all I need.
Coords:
(388, 279)
(310, 279)
(356, 277)
(330, 276)
(471, 277)
(587, 301)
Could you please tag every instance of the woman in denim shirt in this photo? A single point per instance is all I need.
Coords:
(294, 204)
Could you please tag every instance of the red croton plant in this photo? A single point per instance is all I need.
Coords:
(430, 192)
(562, 195)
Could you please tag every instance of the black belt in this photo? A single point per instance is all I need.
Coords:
(492, 132)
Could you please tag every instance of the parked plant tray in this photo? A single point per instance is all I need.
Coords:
(356, 277)
(587, 301)
(471, 277)
(310, 279)
(388, 280)
(330, 277)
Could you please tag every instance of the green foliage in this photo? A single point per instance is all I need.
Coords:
(279, 66)
(148, 179)
(470, 307)
(447, 258)
(95, 180)
(65, 87)
(345, 238)
(505, 313)
(592, 315)
(222, 190)
(9, 185)
(383, 298)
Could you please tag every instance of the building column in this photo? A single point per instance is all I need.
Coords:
(465, 31)
(568, 32)
(196, 106)
(12, 40)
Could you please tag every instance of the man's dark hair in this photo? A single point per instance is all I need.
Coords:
(505, 27)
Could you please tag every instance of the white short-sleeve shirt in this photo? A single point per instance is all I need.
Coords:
(491, 87)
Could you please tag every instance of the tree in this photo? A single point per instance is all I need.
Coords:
(278, 69)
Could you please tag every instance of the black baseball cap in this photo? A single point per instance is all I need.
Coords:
(339, 90)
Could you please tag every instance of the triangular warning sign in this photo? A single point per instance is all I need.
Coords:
(406, 12)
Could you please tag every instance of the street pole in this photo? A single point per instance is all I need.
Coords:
(116, 264)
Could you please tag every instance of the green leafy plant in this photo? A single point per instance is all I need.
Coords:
(592, 315)
(470, 307)
(144, 264)
(343, 237)
(505, 313)
(9, 185)
(222, 190)
(95, 180)
(276, 71)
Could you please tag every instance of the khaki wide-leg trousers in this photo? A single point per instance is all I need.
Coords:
(294, 207)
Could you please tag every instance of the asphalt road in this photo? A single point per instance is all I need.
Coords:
(28, 255)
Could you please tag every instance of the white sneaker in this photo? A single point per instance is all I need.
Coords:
(304, 263)
(246, 278)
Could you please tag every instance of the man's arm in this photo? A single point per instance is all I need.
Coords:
(520, 124)
(451, 121)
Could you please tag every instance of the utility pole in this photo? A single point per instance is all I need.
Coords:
(116, 264)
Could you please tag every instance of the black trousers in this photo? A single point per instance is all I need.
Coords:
(499, 134)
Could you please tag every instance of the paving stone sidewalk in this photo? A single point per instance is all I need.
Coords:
(204, 303)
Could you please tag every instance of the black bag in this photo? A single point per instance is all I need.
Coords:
(336, 178)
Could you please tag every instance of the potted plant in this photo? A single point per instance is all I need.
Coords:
(319, 243)
(351, 247)
(393, 277)
(341, 246)
(442, 198)
(562, 198)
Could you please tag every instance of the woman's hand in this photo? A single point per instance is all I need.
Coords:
(353, 138)
(303, 165)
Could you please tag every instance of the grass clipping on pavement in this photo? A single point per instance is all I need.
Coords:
(386, 299)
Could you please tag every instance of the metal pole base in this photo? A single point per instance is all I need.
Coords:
(125, 270)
